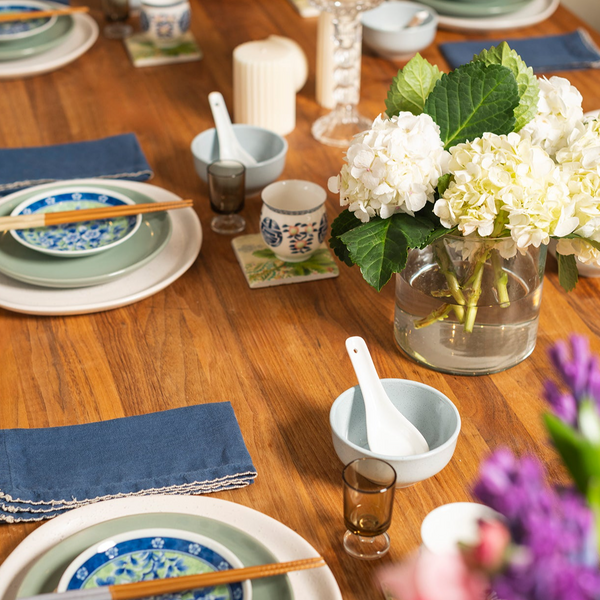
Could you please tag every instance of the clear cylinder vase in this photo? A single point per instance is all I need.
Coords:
(462, 307)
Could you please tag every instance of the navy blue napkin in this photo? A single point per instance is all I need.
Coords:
(191, 450)
(116, 157)
(565, 52)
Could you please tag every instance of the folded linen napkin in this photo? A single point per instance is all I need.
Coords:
(566, 52)
(115, 157)
(191, 450)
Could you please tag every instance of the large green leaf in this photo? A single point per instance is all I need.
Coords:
(380, 247)
(344, 222)
(473, 99)
(567, 271)
(527, 83)
(411, 86)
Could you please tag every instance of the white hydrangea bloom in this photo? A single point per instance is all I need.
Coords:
(393, 167)
(559, 113)
(583, 251)
(504, 182)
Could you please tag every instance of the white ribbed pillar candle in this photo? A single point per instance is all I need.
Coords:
(325, 50)
(264, 86)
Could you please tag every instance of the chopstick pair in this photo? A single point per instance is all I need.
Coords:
(156, 587)
(87, 214)
(42, 14)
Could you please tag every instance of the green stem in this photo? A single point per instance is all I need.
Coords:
(475, 284)
(501, 280)
(447, 268)
(439, 314)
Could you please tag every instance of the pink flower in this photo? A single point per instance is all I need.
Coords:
(490, 552)
(428, 576)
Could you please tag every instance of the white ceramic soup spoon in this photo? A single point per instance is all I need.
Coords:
(389, 432)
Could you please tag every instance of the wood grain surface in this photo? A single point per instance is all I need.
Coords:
(278, 353)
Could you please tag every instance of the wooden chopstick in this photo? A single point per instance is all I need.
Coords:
(87, 214)
(42, 14)
(142, 589)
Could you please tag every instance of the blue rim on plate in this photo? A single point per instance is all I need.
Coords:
(80, 238)
(148, 554)
(15, 30)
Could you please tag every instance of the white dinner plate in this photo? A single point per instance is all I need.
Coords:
(79, 41)
(535, 12)
(281, 541)
(174, 260)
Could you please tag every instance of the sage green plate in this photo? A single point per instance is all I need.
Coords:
(38, 43)
(489, 8)
(33, 267)
(44, 575)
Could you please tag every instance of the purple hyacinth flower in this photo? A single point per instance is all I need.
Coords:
(563, 405)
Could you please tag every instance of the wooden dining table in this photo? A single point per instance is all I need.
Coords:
(278, 353)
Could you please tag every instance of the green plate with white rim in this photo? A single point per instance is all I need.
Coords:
(13, 50)
(490, 8)
(44, 575)
(33, 267)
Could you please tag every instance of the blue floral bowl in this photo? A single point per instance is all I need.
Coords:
(17, 30)
(148, 554)
(76, 239)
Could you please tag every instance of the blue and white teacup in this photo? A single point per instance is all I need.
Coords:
(293, 221)
(165, 21)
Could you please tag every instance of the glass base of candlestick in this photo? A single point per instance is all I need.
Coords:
(339, 127)
(228, 224)
(366, 548)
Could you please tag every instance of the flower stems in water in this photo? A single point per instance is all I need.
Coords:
(501, 280)
(447, 268)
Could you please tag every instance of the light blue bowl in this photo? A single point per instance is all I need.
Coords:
(430, 411)
(267, 147)
(385, 31)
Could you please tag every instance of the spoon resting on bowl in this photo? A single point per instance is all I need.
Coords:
(389, 432)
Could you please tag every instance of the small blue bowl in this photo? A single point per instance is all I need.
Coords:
(79, 238)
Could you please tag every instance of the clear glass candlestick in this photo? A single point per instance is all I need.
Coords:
(344, 121)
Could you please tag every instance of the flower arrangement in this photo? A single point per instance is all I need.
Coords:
(488, 152)
(546, 547)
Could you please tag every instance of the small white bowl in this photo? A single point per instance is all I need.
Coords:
(80, 238)
(385, 31)
(450, 524)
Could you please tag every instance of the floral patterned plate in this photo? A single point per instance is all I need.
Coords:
(16, 30)
(147, 554)
(75, 239)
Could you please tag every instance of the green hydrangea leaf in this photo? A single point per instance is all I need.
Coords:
(567, 271)
(411, 86)
(473, 99)
(345, 221)
(380, 247)
(527, 83)
(443, 183)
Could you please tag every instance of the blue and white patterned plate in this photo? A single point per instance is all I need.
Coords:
(76, 239)
(148, 554)
(17, 30)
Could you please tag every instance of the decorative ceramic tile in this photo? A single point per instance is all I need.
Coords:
(144, 53)
(263, 269)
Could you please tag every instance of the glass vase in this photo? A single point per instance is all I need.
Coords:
(462, 308)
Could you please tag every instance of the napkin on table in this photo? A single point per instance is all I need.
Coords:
(564, 52)
(115, 157)
(191, 450)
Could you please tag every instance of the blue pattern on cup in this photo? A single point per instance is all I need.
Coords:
(271, 233)
(184, 21)
(323, 228)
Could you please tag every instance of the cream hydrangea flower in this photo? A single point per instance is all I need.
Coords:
(583, 251)
(393, 167)
(559, 113)
(504, 182)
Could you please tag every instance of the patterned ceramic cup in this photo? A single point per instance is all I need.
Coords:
(165, 21)
(293, 221)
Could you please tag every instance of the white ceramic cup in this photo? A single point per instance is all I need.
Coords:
(165, 21)
(447, 525)
(293, 221)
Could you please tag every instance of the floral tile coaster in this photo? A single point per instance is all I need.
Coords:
(263, 269)
(144, 53)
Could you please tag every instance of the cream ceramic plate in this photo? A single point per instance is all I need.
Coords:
(79, 41)
(175, 259)
(535, 12)
(281, 541)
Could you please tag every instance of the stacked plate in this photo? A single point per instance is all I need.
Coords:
(88, 547)
(69, 271)
(35, 46)
(491, 15)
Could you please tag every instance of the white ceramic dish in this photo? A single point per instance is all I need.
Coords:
(184, 552)
(79, 41)
(285, 544)
(535, 12)
(176, 258)
(18, 30)
(79, 239)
